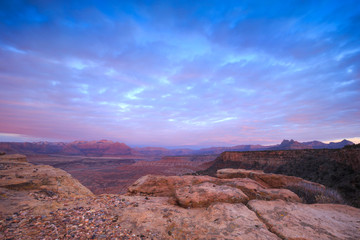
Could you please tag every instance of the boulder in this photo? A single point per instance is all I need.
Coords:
(204, 194)
(308, 221)
(165, 186)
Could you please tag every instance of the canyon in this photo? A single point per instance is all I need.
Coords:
(115, 173)
(40, 201)
(336, 168)
(111, 167)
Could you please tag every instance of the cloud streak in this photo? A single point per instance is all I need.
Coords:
(180, 73)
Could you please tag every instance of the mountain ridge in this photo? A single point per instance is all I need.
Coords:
(110, 148)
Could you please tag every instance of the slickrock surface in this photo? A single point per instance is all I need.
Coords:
(168, 221)
(48, 204)
(24, 185)
(204, 194)
(313, 221)
(188, 187)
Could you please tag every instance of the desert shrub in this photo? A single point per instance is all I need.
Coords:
(352, 146)
(310, 193)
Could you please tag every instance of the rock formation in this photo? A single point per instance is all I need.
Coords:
(335, 168)
(39, 201)
(300, 221)
(202, 190)
(22, 184)
(223, 207)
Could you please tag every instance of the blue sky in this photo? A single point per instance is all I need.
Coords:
(173, 73)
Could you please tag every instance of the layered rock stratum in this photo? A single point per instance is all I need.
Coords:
(42, 202)
(336, 168)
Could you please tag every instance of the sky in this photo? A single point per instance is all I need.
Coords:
(180, 73)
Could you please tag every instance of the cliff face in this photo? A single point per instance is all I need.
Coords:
(272, 160)
(335, 168)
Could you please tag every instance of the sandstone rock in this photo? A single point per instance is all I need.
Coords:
(204, 194)
(325, 166)
(166, 221)
(22, 184)
(266, 179)
(247, 185)
(184, 189)
(162, 186)
(274, 194)
(212, 209)
(255, 190)
(236, 173)
(315, 221)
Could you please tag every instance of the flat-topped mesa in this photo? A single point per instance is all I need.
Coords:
(325, 166)
(23, 184)
(272, 160)
(13, 158)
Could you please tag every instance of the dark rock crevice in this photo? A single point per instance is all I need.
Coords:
(266, 223)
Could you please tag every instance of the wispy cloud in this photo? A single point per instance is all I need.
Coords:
(165, 72)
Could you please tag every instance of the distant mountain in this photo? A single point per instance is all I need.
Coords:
(159, 151)
(292, 145)
(241, 148)
(315, 144)
(86, 148)
(284, 145)
(341, 144)
(110, 148)
(289, 145)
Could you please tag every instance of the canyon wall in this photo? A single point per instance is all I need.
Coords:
(335, 168)
(273, 160)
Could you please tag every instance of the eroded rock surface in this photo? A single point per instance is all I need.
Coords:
(204, 194)
(40, 201)
(23, 185)
(266, 179)
(191, 190)
(168, 221)
(313, 221)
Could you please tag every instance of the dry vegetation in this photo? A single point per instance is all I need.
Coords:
(310, 193)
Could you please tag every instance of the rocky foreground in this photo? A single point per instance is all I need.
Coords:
(42, 202)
